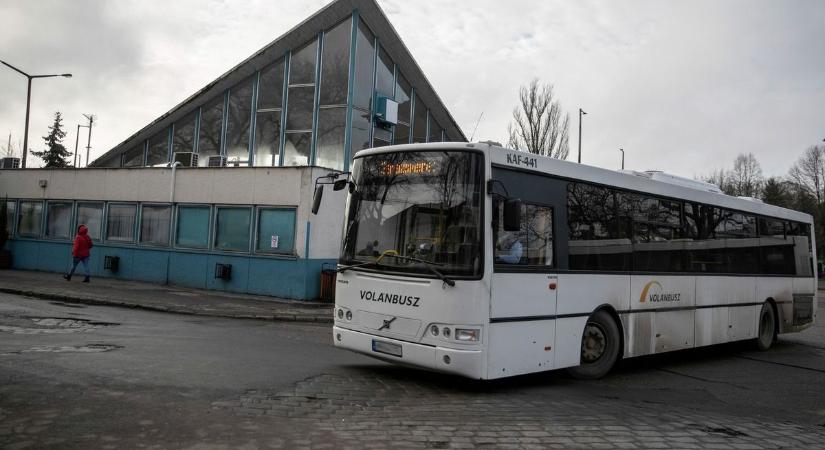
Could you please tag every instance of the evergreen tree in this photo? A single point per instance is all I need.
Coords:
(55, 154)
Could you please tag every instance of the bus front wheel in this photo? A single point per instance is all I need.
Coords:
(599, 348)
(767, 327)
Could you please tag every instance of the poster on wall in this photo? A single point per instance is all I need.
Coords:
(274, 243)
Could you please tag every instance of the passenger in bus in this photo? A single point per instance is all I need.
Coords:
(510, 249)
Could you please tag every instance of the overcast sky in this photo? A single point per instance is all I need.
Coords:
(681, 86)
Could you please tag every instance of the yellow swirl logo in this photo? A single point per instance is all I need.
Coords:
(657, 295)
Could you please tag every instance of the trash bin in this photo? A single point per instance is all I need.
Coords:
(328, 274)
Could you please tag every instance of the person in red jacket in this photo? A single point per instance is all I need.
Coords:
(80, 252)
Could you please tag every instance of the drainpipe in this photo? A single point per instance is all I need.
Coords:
(174, 166)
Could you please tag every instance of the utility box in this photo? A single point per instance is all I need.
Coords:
(386, 111)
(216, 161)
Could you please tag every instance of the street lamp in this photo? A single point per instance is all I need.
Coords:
(622, 150)
(581, 113)
(28, 103)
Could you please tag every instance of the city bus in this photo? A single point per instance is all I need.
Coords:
(486, 262)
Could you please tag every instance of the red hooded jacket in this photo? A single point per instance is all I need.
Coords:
(82, 243)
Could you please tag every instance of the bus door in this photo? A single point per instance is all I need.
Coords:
(523, 292)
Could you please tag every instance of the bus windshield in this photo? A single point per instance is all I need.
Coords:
(416, 212)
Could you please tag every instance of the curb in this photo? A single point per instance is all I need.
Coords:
(104, 302)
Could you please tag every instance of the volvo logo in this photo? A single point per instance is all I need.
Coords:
(387, 324)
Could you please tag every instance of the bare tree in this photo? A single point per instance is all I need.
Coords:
(539, 126)
(746, 177)
(809, 172)
(721, 178)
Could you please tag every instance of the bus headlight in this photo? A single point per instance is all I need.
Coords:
(467, 334)
(446, 332)
(340, 314)
(434, 330)
(349, 315)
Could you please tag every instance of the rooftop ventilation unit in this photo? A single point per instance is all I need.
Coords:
(216, 161)
(677, 180)
(10, 163)
(186, 159)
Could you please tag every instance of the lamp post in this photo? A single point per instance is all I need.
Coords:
(622, 150)
(28, 103)
(581, 113)
(91, 118)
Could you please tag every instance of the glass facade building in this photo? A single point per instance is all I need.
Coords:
(311, 98)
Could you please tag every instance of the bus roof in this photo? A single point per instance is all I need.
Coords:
(640, 181)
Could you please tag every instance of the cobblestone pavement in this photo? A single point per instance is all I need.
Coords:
(392, 409)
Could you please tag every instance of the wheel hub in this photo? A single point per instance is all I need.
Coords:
(593, 343)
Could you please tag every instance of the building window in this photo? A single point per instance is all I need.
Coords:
(155, 221)
(420, 121)
(209, 137)
(435, 131)
(120, 225)
(238, 122)
(29, 219)
(335, 66)
(193, 227)
(158, 152)
(183, 140)
(10, 215)
(276, 231)
(329, 151)
(133, 157)
(232, 229)
(59, 220)
(91, 215)
(364, 63)
(361, 125)
(268, 120)
(300, 105)
(403, 92)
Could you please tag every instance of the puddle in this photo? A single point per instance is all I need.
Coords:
(49, 325)
(67, 305)
(88, 348)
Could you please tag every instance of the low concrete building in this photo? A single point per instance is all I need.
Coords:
(235, 215)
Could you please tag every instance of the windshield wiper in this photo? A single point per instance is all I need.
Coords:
(428, 264)
(352, 266)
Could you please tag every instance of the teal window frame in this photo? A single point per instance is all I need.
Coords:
(83, 203)
(176, 226)
(40, 225)
(216, 229)
(47, 212)
(108, 212)
(282, 249)
(140, 239)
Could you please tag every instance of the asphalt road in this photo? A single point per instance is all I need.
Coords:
(75, 376)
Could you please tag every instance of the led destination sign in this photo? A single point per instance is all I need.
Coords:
(390, 169)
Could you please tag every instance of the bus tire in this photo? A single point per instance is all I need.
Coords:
(766, 334)
(601, 341)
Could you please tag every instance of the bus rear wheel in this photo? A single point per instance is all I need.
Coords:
(767, 327)
(600, 347)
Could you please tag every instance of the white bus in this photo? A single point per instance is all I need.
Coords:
(486, 262)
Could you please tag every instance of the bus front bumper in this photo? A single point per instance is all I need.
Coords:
(466, 363)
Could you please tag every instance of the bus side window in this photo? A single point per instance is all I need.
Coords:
(532, 245)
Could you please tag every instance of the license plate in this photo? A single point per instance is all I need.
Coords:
(386, 347)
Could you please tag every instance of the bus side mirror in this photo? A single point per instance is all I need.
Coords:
(339, 184)
(512, 215)
(316, 199)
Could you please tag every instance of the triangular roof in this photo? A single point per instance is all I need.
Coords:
(326, 18)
